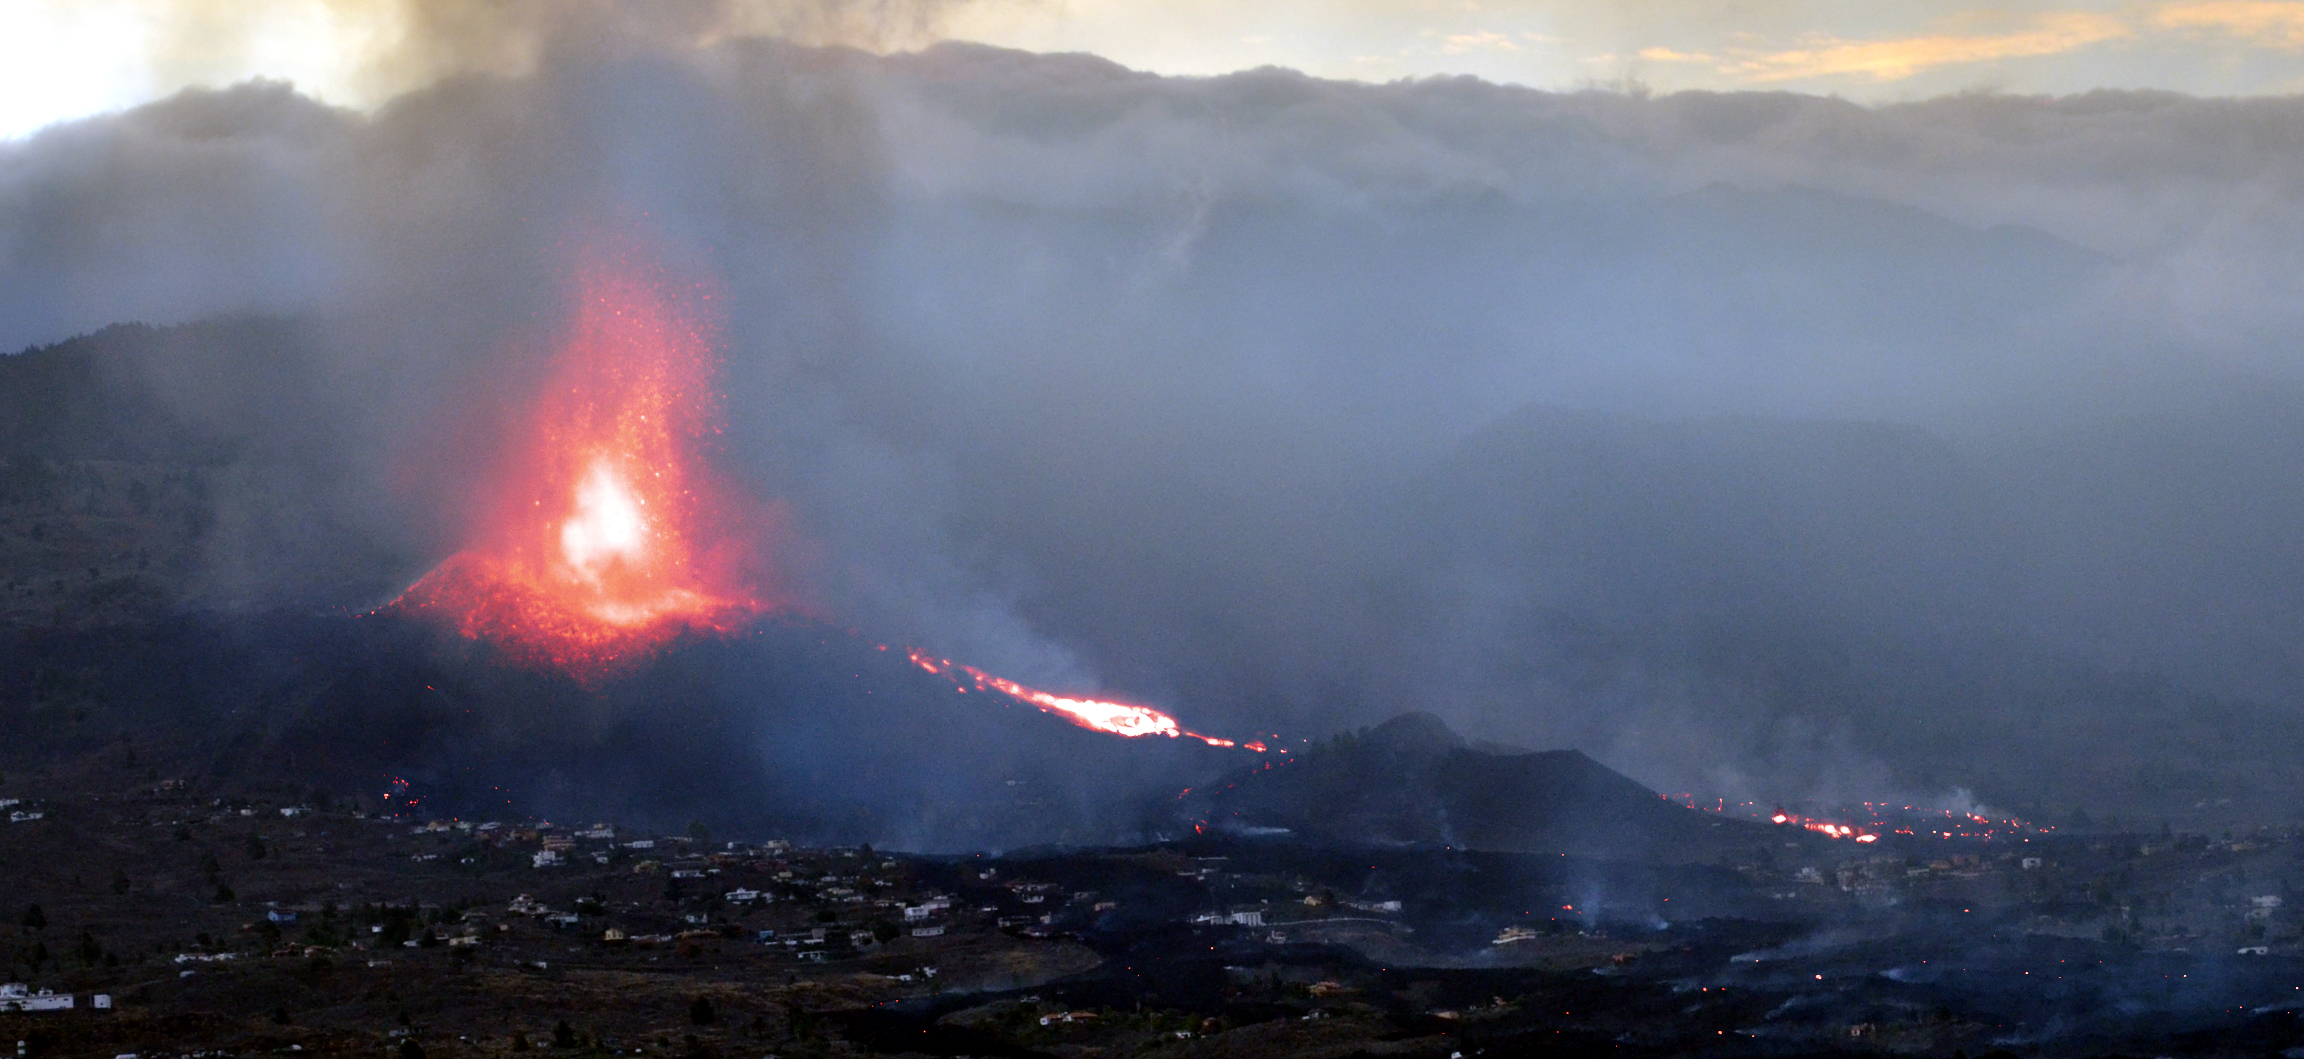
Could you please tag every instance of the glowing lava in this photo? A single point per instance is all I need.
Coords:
(1117, 718)
(607, 534)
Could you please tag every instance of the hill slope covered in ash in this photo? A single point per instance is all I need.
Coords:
(1413, 781)
(788, 729)
(148, 470)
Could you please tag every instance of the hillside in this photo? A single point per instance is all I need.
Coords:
(145, 470)
(1413, 781)
(790, 727)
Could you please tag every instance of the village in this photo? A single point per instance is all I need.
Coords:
(161, 921)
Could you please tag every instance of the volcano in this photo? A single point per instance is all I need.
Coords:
(1412, 781)
(785, 727)
(607, 532)
(612, 638)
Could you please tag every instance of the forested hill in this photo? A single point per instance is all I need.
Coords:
(147, 469)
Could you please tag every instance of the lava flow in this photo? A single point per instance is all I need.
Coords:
(1117, 718)
(608, 535)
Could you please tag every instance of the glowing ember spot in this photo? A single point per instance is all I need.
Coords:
(606, 534)
(1117, 718)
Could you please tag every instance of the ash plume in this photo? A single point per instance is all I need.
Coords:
(1758, 444)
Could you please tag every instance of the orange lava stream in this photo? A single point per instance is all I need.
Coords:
(608, 535)
(1117, 718)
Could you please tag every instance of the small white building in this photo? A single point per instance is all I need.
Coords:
(16, 996)
(547, 858)
(933, 931)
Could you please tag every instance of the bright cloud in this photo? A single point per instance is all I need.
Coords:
(1483, 40)
(1667, 55)
(2279, 23)
(1896, 59)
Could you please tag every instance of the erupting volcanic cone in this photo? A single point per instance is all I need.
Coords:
(609, 534)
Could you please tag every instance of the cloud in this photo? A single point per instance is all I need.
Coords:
(2272, 23)
(1896, 59)
(1480, 40)
(360, 52)
(1667, 55)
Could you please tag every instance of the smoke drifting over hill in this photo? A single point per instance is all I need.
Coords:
(1758, 444)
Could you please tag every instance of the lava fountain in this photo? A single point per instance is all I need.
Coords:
(607, 534)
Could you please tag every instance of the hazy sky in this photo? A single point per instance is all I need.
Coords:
(66, 58)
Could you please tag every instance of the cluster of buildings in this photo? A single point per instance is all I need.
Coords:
(16, 996)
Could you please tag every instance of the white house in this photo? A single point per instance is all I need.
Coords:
(16, 996)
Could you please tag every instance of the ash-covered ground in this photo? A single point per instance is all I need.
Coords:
(245, 915)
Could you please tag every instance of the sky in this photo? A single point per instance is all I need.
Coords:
(68, 58)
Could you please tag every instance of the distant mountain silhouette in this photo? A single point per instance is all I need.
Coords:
(1411, 780)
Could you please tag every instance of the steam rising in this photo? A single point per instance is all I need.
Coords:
(1759, 444)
